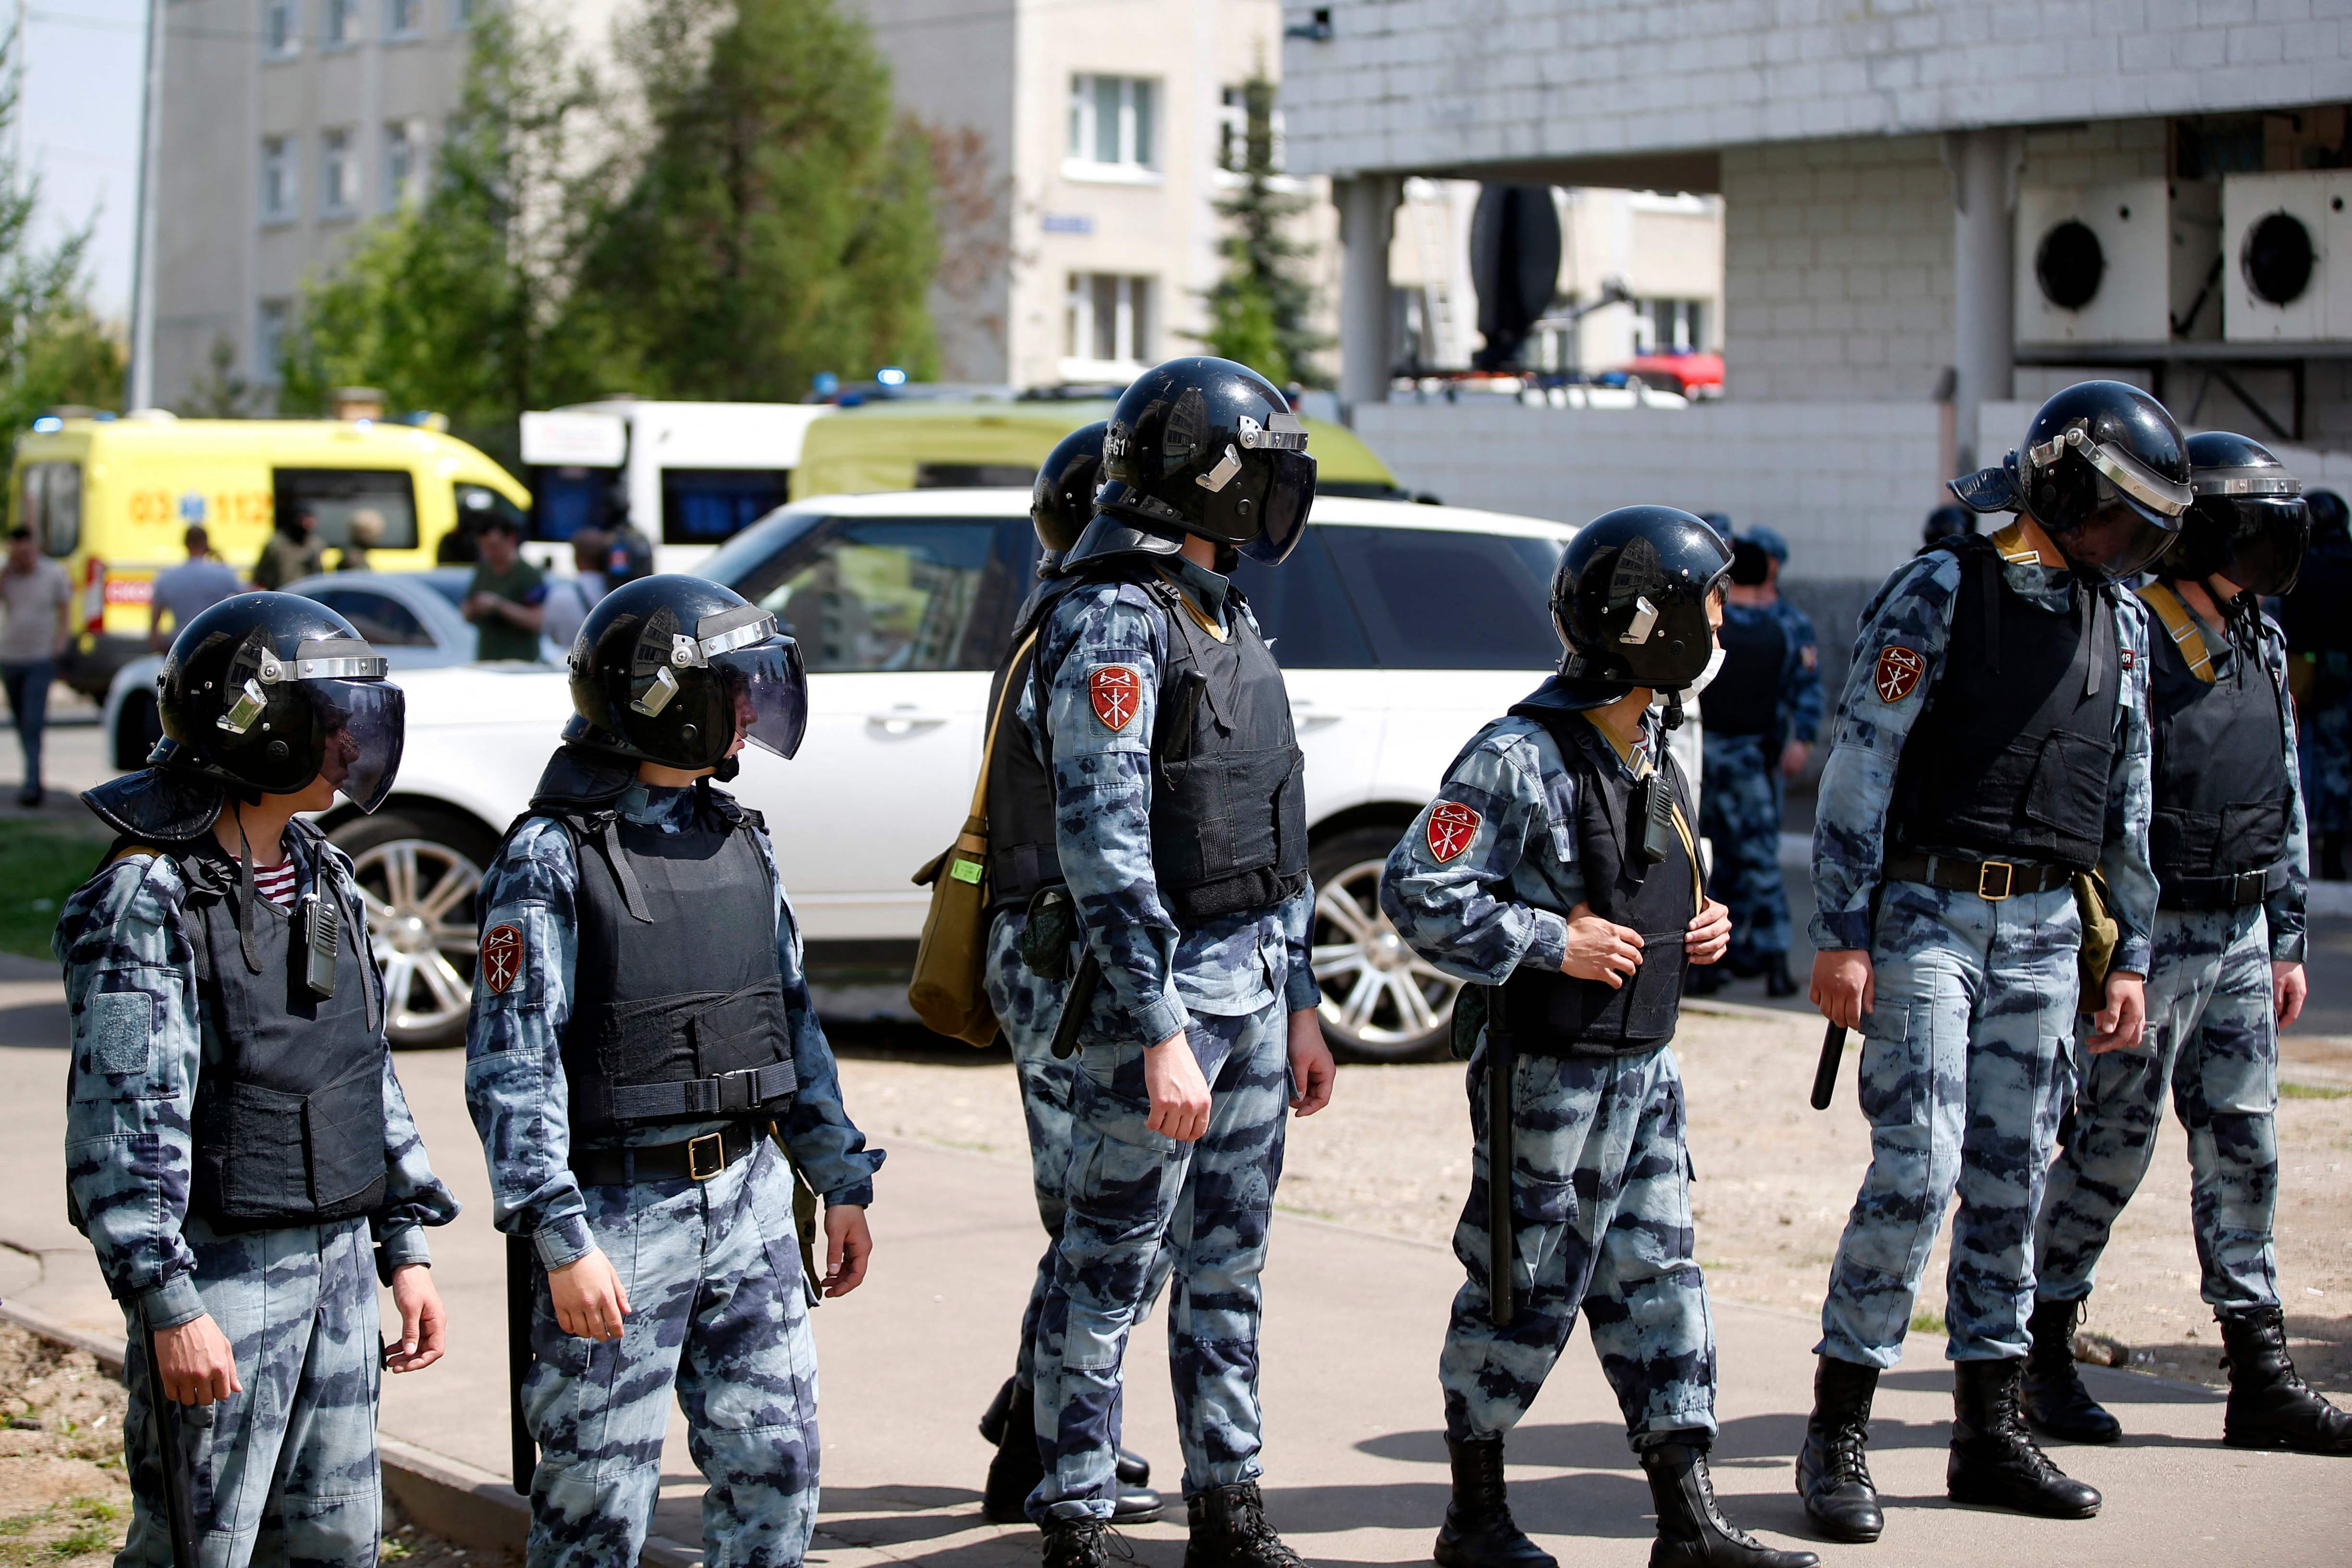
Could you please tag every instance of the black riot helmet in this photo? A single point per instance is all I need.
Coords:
(1062, 502)
(674, 669)
(2249, 523)
(2331, 520)
(2104, 469)
(1630, 597)
(264, 693)
(1209, 447)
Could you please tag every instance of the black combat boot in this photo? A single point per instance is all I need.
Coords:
(1832, 1475)
(1134, 1469)
(1479, 1531)
(2055, 1402)
(1703, 980)
(1229, 1530)
(1778, 980)
(1017, 1468)
(1692, 1530)
(2270, 1405)
(1077, 1543)
(1994, 1461)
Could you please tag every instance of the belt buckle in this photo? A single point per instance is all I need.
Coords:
(1984, 878)
(694, 1155)
(2248, 888)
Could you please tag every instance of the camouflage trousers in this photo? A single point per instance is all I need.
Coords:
(2210, 1041)
(1131, 1192)
(1963, 1063)
(712, 1272)
(285, 1471)
(1028, 1007)
(1601, 1200)
(1739, 809)
(2324, 751)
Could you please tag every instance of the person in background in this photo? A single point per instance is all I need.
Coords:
(2319, 675)
(507, 600)
(189, 589)
(629, 553)
(1945, 522)
(293, 550)
(366, 532)
(38, 596)
(569, 599)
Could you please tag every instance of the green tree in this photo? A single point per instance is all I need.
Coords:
(1258, 309)
(781, 222)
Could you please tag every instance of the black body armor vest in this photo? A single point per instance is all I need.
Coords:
(288, 1116)
(679, 1010)
(2010, 760)
(1547, 1012)
(2223, 795)
(1022, 854)
(1228, 784)
(1744, 697)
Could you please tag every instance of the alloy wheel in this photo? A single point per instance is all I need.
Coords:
(1380, 999)
(420, 904)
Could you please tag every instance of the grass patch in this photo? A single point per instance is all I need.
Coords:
(1923, 1321)
(40, 864)
(2312, 1092)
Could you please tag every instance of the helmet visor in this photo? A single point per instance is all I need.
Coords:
(2117, 541)
(362, 727)
(770, 690)
(1282, 514)
(2267, 544)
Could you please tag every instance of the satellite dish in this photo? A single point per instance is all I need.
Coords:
(1515, 266)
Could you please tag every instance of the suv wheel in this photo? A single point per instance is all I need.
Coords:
(1381, 1001)
(419, 869)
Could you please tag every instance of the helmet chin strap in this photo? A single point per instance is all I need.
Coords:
(1673, 715)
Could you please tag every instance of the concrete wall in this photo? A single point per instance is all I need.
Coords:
(1437, 85)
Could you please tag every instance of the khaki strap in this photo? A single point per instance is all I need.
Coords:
(1200, 617)
(1642, 768)
(129, 849)
(2182, 625)
(988, 747)
(2010, 544)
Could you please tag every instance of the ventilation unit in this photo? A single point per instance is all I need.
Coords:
(2122, 263)
(2279, 232)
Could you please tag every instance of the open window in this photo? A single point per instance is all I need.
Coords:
(337, 496)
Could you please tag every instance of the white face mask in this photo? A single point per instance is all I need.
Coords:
(1714, 666)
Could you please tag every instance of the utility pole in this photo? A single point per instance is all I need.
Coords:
(141, 393)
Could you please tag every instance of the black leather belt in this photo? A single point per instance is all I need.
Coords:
(2220, 892)
(696, 1159)
(1990, 879)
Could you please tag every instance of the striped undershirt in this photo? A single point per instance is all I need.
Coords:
(276, 883)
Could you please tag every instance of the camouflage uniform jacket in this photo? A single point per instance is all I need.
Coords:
(130, 1143)
(1155, 973)
(514, 1045)
(1801, 676)
(1912, 610)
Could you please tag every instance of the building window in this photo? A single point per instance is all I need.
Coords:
(339, 181)
(282, 28)
(269, 324)
(342, 21)
(1666, 324)
(1111, 123)
(403, 18)
(400, 140)
(278, 179)
(1109, 318)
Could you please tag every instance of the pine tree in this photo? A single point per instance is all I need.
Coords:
(1258, 309)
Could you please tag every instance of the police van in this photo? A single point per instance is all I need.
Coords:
(1401, 629)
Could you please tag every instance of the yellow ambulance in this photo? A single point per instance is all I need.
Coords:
(111, 498)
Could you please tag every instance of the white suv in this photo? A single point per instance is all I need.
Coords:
(1401, 629)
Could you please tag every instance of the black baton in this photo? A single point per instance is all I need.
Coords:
(1077, 1004)
(170, 1457)
(1825, 1072)
(1501, 1155)
(522, 1281)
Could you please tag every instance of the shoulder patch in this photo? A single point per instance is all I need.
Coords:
(1451, 826)
(1115, 690)
(1810, 657)
(1898, 672)
(502, 955)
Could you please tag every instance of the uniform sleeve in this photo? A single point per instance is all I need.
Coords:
(1300, 990)
(131, 990)
(1100, 709)
(1898, 654)
(414, 1197)
(515, 1088)
(2284, 909)
(2131, 798)
(1439, 887)
(1801, 683)
(826, 1147)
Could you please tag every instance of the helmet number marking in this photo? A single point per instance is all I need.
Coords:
(1898, 672)
(1115, 690)
(1451, 826)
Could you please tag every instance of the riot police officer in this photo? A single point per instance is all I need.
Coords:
(237, 1149)
(1991, 746)
(2319, 648)
(1763, 714)
(641, 1054)
(1024, 875)
(1178, 829)
(1558, 870)
(2232, 862)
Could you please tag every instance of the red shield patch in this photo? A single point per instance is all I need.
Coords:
(1452, 826)
(1898, 673)
(502, 957)
(1115, 690)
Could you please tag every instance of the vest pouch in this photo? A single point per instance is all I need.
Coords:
(2180, 838)
(268, 1157)
(1229, 832)
(2068, 792)
(342, 1132)
(745, 1030)
(1585, 1017)
(2253, 836)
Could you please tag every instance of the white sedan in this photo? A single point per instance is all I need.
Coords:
(1401, 629)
